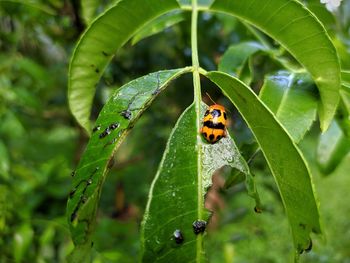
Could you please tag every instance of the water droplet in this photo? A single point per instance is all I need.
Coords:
(199, 226)
(178, 236)
(174, 194)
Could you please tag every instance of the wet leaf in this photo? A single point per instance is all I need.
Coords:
(293, 99)
(117, 117)
(175, 217)
(297, 29)
(285, 160)
(158, 25)
(99, 43)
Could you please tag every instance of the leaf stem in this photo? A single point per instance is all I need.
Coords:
(197, 102)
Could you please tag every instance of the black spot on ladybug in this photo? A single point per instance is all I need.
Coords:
(215, 113)
(96, 128)
(218, 137)
(303, 226)
(199, 226)
(126, 114)
(225, 116)
(213, 125)
(211, 137)
(178, 236)
(205, 134)
(206, 113)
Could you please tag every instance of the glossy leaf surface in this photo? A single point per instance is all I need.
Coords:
(158, 25)
(292, 97)
(176, 198)
(286, 163)
(297, 29)
(115, 120)
(332, 148)
(236, 56)
(99, 43)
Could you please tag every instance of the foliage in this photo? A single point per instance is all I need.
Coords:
(131, 60)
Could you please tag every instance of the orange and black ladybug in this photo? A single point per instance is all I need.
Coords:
(214, 123)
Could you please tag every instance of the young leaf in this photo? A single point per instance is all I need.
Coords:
(88, 9)
(176, 198)
(158, 25)
(333, 146)
(236, 56)
(286, 162)
(297, 29)
(115, 120)
(293, 99)
(98, 45)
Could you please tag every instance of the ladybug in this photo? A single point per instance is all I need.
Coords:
(214, 123)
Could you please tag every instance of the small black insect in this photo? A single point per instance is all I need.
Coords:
(96, 128)
(106, 132)
(114, 126)
(178, 236)
(126, 114)
(73, 173)
(199, 226)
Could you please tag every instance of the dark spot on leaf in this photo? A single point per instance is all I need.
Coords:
(308, 249)
(92, 65)
(105, 53)
(178, 236)
(199, 226)
(303, 226)
(83, 199)
(92, 244)
(97, 70)
(96, 128)
(71, 193)
(73, 215)
(73, 173)
(211, 137)
(257, 210)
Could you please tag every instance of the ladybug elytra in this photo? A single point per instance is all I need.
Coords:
(214, 123)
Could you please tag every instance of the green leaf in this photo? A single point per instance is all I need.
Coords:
(297, 29)
(98, 45)
(176, 198)
(88, 9)
(32, 4)
(332, 147)
(285, 160)
(201, 3)
(117, 117)
(236, 56)
(292, 97)
(4, 162)
(158, 25)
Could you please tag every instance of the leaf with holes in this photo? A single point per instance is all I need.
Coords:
(285, 160)
(117, 117)
(175, 217)
(292, 97)
(297, 29)
(110, 31)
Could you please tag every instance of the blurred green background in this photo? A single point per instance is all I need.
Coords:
(40, 143)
